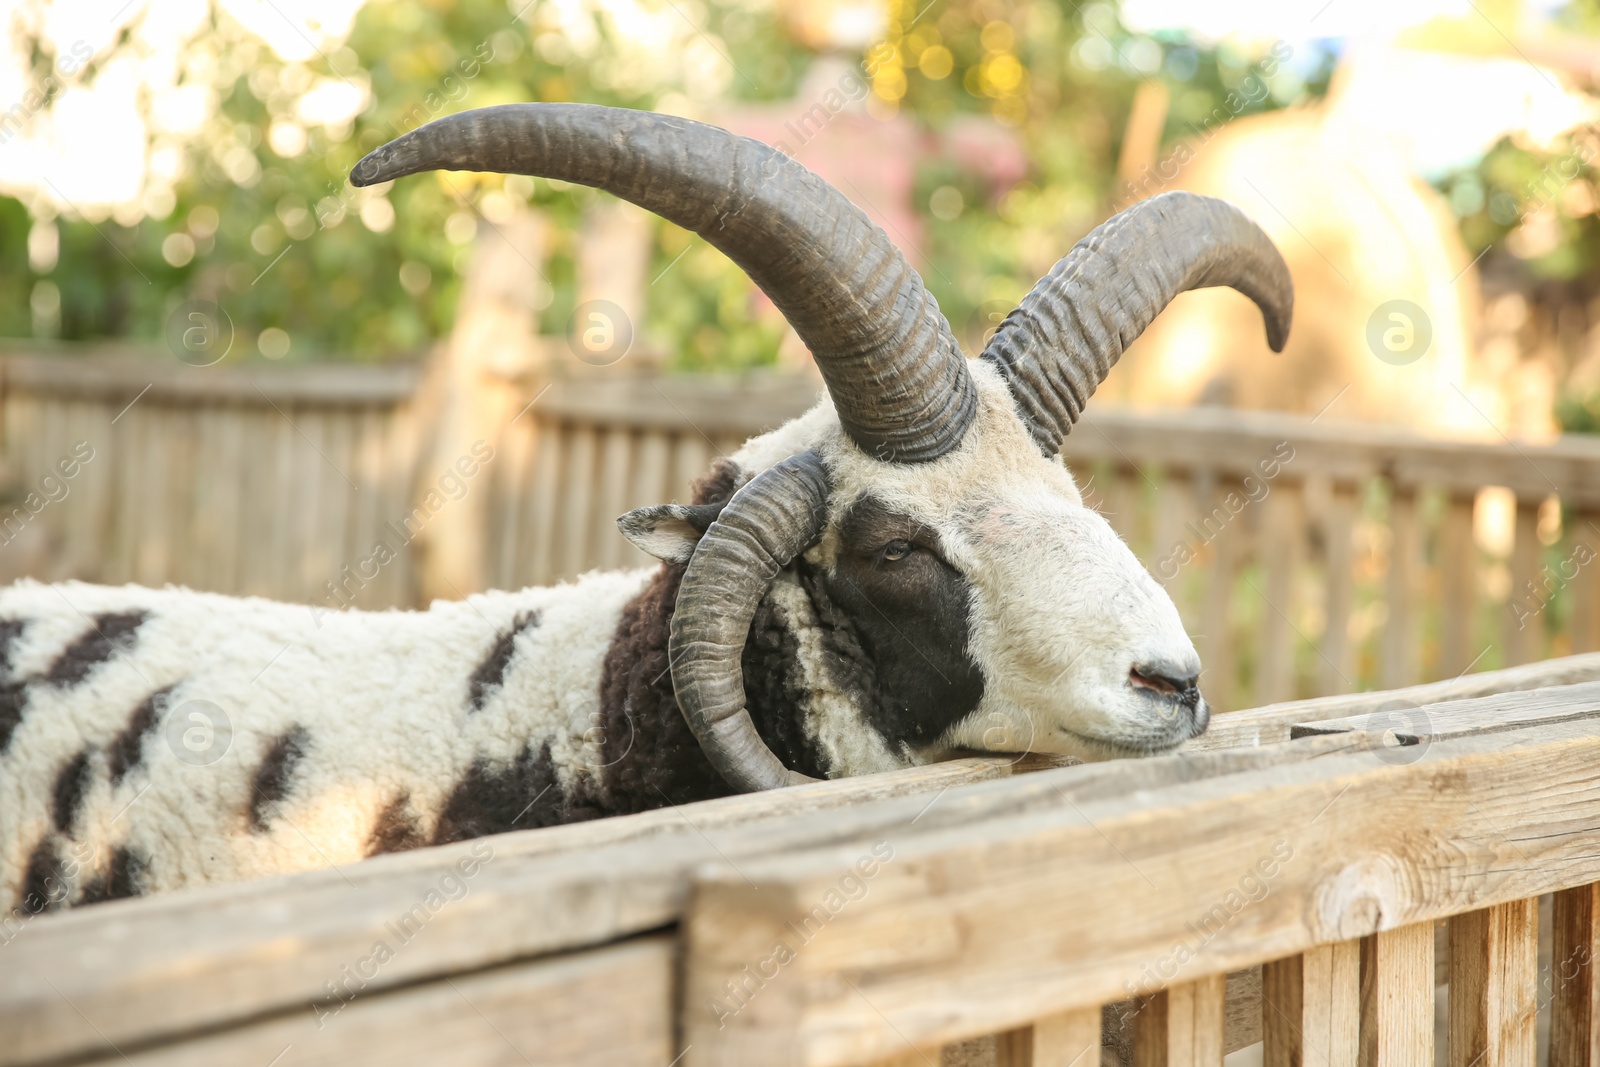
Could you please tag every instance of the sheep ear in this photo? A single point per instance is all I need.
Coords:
(669, 531)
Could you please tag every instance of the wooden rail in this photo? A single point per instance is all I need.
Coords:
(964, 907)
(1308, 557)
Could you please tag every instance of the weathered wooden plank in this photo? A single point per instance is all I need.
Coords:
(1575, 1001)
(1418, 724)
(148, 967)
(1397, 997)
(1311, 1007)
(951, 939)
(606, 1006)
(117, 377)
(1494, 980)
(1263, 726)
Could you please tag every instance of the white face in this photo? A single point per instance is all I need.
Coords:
(1082, 653)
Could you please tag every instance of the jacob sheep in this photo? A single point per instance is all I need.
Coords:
(904, 572)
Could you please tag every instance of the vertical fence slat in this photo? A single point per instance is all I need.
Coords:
(1397, 997)
(1400, 664)
(1575, 1005)
(1070, 1039)
(543, 501)
(1458, 580)
(1337, 667)
(1282, 547)
(1523, 640)
(1310, 1007)
(1181, 1026)
(1494, 964)
(611, 499)
(1583, 535)
(1216, 623)
(576, 528)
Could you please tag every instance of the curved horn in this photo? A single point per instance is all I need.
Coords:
(896, 374)
(770, 521)
(1062, 340)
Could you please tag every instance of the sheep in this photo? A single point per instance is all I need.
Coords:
(903, 573)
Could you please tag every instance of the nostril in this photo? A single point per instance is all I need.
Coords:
(1166, 682)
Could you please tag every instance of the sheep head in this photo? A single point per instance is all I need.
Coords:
(928, 490)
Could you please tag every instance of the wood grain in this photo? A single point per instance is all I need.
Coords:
(1273, 723)
(1311, 1007)
(1397, 997)
(1494, 980)
(950, 939)
(1068, 1039)
(540, 1014)
(1461, 718)
(1575, 999)
(1181, 1026)
(161, 965)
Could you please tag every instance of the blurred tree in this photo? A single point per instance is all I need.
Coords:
(245, 201)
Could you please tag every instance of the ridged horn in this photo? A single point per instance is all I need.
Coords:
(896, 374)
(776, 516)
(1062, 340)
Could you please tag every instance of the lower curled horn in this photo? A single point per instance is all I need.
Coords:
(775, 517)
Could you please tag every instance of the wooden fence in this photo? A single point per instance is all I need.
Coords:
(1284, 882)
(1308, 557)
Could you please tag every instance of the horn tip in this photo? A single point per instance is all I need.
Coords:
(370, 170)
(1277, 335)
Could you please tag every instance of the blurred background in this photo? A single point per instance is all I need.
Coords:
(276, 375)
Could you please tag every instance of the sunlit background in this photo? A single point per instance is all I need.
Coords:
(198, 148)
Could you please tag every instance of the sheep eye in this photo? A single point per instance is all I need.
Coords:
(896, 550)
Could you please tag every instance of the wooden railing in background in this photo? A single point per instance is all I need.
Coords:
(1307, 557)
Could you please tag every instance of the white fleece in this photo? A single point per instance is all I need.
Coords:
(382, 698)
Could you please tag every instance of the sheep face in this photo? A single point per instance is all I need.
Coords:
(987, 563)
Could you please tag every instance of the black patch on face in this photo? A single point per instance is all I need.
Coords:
(896, 629)
(107, 635)
(650, 758)
(127, 748)
(66, 797)
(271, 785)
(43, 887)
(123, 878)
(491, 673)
(396, 829)
(494, 798)
(775, 691)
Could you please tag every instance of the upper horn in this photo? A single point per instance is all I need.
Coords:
(897, 376)
(1062, 340)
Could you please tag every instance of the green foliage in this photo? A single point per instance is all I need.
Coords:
(281, 240)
